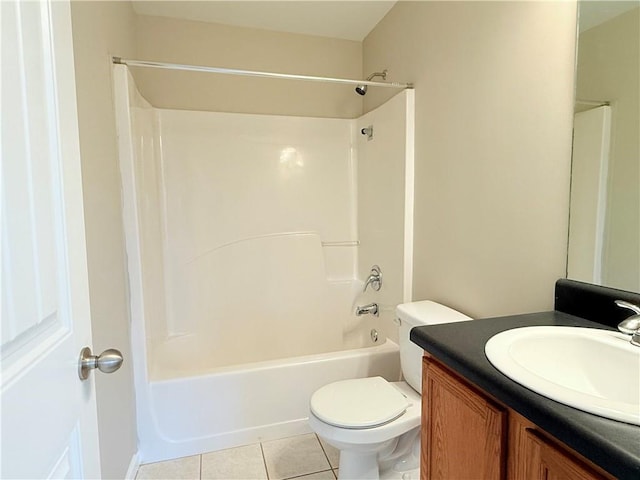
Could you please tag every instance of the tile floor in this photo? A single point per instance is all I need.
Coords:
(303, 457)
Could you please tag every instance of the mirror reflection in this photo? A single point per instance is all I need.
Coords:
(604, 225)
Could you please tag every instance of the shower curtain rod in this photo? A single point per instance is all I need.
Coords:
(252, 73)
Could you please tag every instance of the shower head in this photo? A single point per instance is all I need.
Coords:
(362, 89)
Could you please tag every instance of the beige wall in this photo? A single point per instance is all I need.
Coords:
(609, 69)
(492, 149)
(494, 102)
(101, 29)
(198, 43)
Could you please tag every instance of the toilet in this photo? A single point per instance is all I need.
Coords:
(375, 423)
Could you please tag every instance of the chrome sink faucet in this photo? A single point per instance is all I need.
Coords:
(630, 325)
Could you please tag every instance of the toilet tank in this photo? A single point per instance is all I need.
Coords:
(416, 314)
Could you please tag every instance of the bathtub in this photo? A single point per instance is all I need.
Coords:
(238, 405)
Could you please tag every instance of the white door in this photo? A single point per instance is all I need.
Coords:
(49, 426)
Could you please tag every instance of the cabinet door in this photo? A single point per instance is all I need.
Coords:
(544, 461)
(464, 433)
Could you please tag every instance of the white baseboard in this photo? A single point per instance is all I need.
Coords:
(134, 464)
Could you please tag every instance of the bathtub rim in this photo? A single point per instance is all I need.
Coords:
(387, 345)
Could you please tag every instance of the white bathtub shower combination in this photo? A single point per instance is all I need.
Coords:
(248, 237)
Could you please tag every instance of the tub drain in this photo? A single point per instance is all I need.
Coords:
(374, 335)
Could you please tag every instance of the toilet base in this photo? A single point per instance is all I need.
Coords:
(358, 466)
(365, 467)
(397, 459)
(394, 475)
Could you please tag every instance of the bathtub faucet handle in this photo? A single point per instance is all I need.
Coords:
(374, 279)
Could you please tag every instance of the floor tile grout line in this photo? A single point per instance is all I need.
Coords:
(306, 474)
(264, 462)
(325, 452)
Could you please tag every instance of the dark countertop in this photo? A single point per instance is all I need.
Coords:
(612, 445)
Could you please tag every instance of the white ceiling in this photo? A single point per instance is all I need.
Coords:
(350, 20)
(347, 19)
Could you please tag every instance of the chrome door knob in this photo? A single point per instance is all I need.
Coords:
(107, 362)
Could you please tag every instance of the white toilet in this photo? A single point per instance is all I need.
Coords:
(375, 423)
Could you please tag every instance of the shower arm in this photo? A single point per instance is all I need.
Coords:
(253, 73)
(382, 74)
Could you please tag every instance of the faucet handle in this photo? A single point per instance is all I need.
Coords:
(628, 306)
(374, 279)
(630, 325)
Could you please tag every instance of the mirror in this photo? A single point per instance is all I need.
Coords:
(604, 217)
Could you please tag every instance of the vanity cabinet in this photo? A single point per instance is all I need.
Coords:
(535, 455)
(466, 434)
(463, 431)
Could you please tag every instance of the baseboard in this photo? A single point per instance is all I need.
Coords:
(134, 464)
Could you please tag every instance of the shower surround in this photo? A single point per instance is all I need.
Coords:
(247, 239)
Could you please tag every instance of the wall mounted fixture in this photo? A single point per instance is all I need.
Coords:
(369, 309)
(362, 88)
(374, 279)
(368, 131)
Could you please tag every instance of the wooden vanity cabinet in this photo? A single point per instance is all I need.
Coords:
(467, 434)
(535, 455)
(463, 431)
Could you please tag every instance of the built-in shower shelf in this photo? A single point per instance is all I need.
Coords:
(351, 243)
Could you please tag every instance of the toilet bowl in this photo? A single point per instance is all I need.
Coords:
(363, 447)
(376, 423)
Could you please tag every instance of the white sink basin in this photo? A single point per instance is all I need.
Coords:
(597, 371)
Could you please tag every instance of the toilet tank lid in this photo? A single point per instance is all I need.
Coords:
(427, 312)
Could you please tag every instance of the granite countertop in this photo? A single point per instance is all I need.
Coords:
(612, 445)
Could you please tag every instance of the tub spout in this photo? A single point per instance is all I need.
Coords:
(370, 309)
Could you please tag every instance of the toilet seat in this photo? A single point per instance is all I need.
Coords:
(359, 403)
